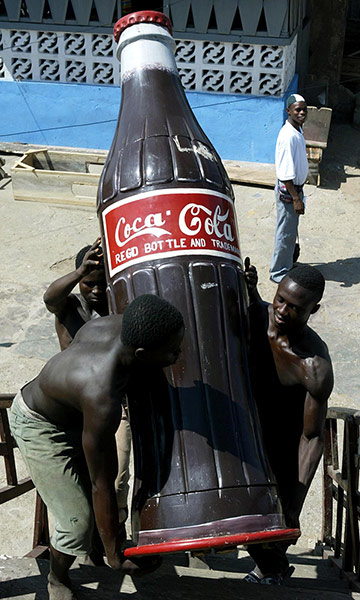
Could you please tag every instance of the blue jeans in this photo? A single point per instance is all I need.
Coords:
(287, 221)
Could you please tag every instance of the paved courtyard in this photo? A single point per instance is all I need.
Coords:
(40, 241)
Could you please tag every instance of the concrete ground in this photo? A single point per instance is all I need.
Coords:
(40, 241)
(219, 576)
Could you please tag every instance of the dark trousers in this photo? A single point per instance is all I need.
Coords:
(270, 558)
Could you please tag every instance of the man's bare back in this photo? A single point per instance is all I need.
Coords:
(88, 375)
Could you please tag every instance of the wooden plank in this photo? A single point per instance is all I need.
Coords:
(264, 175)
(6, 437)
(4, 450)
(80, 188)
(70, 201)
(9, 492)
(336, 476)
(251, 173)
(338, 412)
(327, 499)
(314, 153)
(57, 177)
(5, 403)
(6, 400)
(316, 144)
(317, 124)
(353, 480)
(38, 552)
(41, 524)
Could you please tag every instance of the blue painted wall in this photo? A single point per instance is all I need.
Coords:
(58, 114)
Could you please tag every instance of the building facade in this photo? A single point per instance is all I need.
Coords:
(239, 57)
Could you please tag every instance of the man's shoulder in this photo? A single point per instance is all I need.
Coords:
(76, 303)
(73, 304)
(101, 329)
(316, 344)
(318, 365)
(79, 366)
(100, 407)
(287, 133)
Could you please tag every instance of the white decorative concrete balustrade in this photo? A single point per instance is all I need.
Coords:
(205, 66)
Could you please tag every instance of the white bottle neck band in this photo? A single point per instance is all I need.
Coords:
(145, 46)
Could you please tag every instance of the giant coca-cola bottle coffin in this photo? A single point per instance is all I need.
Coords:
(166, 211)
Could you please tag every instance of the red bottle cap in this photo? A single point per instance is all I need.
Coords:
(142, 16)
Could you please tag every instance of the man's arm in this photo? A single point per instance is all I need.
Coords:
(298, 203)
(99, 446)
(285, 171)
(312, 439)
(57, 293)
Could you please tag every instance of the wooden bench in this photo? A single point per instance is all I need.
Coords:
(16, 488)
(316, 133)
(341, 498)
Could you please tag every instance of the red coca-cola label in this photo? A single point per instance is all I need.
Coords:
(168, 223)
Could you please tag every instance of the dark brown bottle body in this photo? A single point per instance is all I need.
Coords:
(199, 465)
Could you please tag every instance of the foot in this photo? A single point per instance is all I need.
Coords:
(96, 557)
(252, 577)
(92, 560)
(142, 565)
(277, 578)
(59, 591)
(272, 579)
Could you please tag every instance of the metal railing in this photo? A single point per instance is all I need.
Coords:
(16, 487)
(341, 505)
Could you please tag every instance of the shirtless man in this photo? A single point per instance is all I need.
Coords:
(65, 420)
(292, 379)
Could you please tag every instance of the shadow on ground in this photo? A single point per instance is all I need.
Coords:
(346, 271)
(341, 158)
(315, 580)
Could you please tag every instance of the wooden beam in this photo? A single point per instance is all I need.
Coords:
(4, 450)
(13, 491)
(9, 458)
(41, 524)
(262, 174)
(38, 552)
(6, 400)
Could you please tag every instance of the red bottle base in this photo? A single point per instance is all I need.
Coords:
(223, 541)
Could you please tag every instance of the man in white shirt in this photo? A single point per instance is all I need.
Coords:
(291, 171)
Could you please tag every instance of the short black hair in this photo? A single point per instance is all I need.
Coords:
(80, 256)
(149, 320)
(309, 278)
